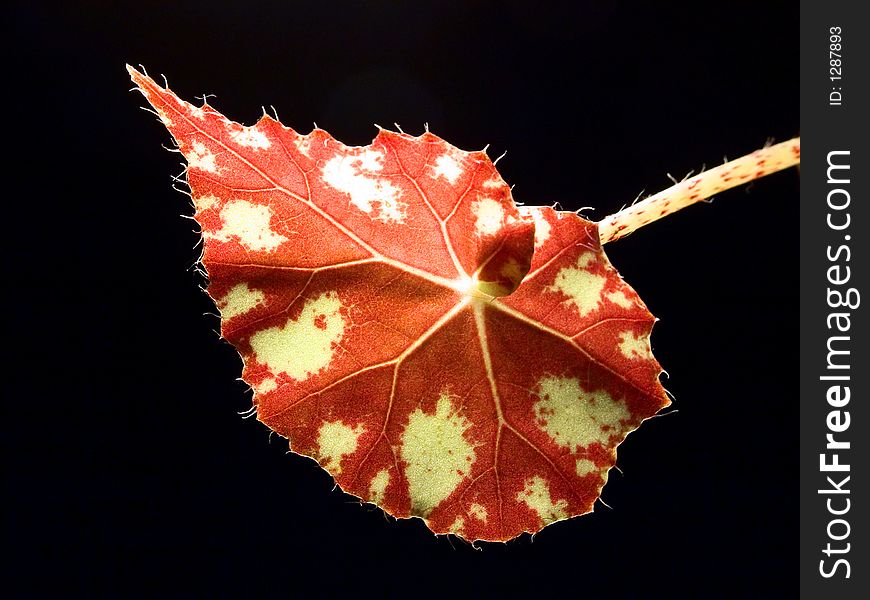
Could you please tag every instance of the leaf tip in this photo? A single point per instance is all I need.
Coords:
(139, 76)
(136, 76)
(140, 79)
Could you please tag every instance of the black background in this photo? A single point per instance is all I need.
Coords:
(132, 472)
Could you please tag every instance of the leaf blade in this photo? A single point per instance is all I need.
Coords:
(440, 352)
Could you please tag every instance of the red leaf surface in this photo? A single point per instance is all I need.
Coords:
(374, 294)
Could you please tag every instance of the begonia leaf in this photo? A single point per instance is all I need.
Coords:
(441, 352)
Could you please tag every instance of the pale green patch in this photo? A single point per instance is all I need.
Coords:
(634, 347)
(478, 511)
(250, 224)
(335, 440)
(437, 455)
(574, 417)
(378, 486)
(619, 298)
(582, 287)
(266, 386)
(239, 300)
(586, 466)
(586, 259)
(536, 495)
(458, 525)
(511, 270)
(302, 347)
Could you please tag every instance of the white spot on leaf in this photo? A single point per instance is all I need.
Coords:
(582, 287)
(458, 525)
(198, 112)
(250, 224)
(536, 495)
(200, 157)
(574, 417)
(251, 137)
(164, 118)
(239, 300)
(303, 144)
(542, 225)
(447, 168)
(437, 455)
(302, 347)
(489, 216)
(634, 347)
(495, 182)
(371, 194)
(335, 440)
(204, 203)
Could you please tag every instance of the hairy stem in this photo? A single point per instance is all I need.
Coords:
(700, 187)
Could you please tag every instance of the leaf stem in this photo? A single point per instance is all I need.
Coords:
(762, 162)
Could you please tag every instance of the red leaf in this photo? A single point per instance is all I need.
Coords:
(374, 294)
